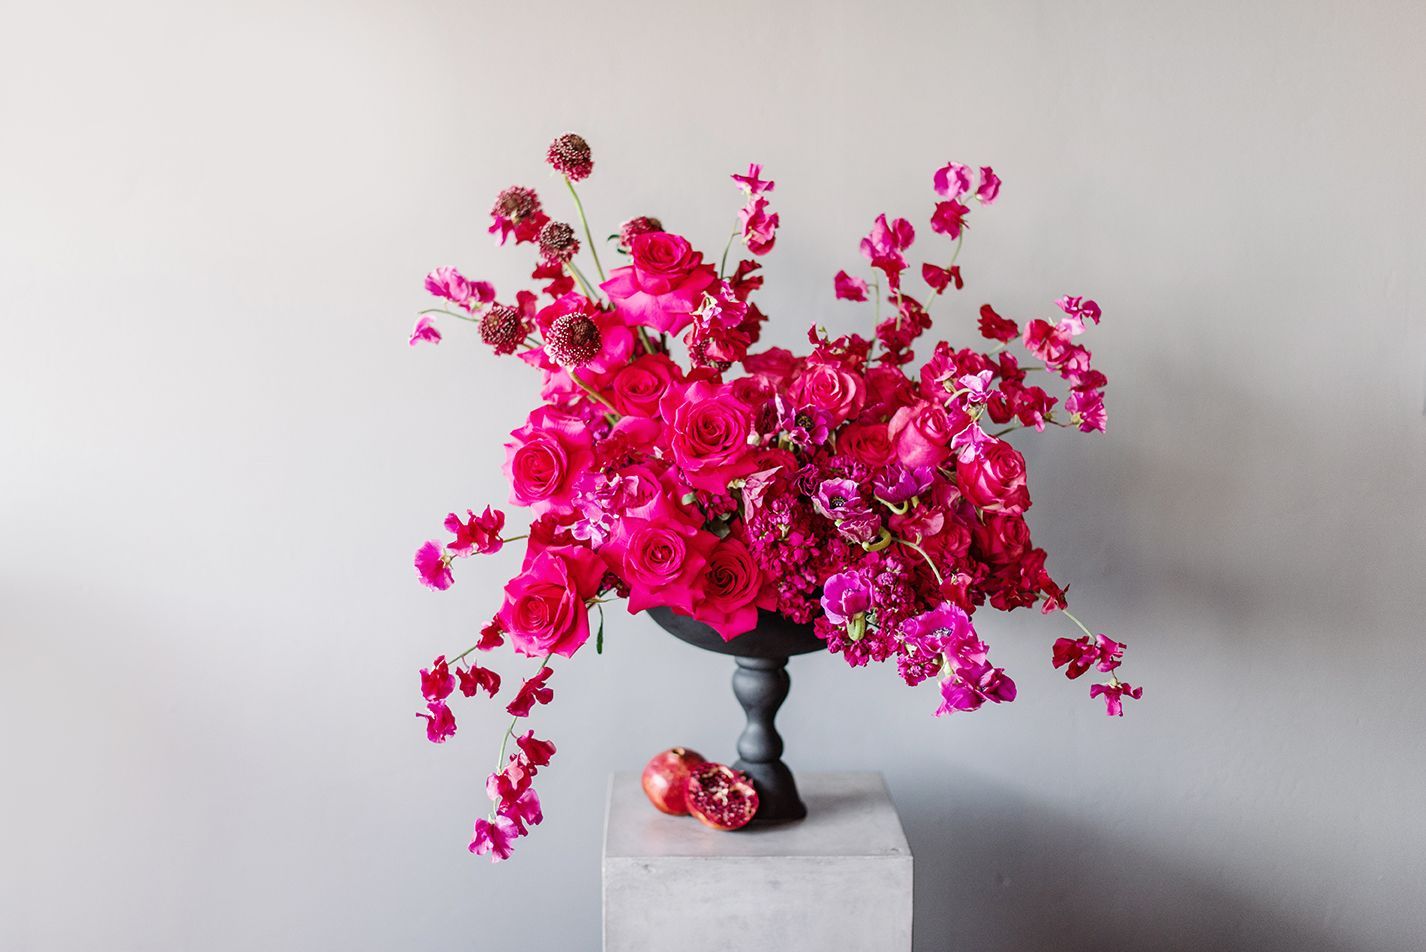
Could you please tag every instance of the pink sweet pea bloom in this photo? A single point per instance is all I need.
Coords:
(440, 723)
(1087, 409)
(473, 679)
(753, 183)
(849, 288)
(938, 278)
(977, 386)
(425, 332)
(478, 533)
(509, 784)
(537, 752)
(989, 188)
(1080, 654)
(995, 327)
(450, 284)
(1077, 311)
(759, 228)
(952, 181)
(433, 567)
(494, 837)
(663, 285)
(973, 686)
(884, 245)
(949, 218)
(524, 810)
(532, 692)
(437, 682)
(1114, 694)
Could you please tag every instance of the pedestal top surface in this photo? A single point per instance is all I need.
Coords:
(848, 814)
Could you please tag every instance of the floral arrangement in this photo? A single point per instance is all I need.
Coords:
(850, 487)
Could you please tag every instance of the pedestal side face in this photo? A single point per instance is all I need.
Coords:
(841, 879)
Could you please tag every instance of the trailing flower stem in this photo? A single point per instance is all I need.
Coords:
(588, 238)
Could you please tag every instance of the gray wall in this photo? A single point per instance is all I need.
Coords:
(220, 453)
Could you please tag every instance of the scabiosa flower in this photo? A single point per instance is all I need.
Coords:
(570, 156)
(574, 340)
(557, 242)
(503, 328)
(634, 227)
(517, 212)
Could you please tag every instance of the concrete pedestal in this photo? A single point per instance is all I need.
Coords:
(840, 879)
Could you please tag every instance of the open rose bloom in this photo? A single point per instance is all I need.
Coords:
(867, 485)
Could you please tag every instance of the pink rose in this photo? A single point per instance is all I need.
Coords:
(922, 433)
(994, 479)
(731, 586)
(1001, 540)
(544, 609)
(777, 365)
(867, 443)
(663, 285)
(638, 388)
(709, 435)
(831, 388)
(543, 458)
(662, 563)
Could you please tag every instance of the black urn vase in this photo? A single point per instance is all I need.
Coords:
(760, 683)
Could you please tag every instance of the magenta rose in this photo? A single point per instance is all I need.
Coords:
(731, 585)
(640, 386)
(833, 389)
(777, 365)
(663, 285)
(709, 435)
(543, 457)
(922, 433)
(544, 610)
(867, 443)
(994, 479)
(662, 563)
(1001, 539)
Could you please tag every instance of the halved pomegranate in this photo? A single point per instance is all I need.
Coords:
(666, 779)
(721, 797)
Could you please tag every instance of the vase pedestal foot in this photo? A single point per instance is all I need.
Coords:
(761, 685)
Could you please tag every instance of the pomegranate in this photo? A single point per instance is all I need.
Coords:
(721, 797)
(666, 779)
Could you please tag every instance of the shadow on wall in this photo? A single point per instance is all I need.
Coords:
(991, 875)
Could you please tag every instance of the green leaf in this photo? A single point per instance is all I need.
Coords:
(599, 638)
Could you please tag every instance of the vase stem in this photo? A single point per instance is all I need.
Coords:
(761, 685)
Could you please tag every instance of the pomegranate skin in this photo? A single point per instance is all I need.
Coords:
(721, 797)
(666, 779)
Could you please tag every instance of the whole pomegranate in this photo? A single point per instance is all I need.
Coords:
(721, 797)
(666, 779)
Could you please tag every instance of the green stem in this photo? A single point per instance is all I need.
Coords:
(644, 339)
(583, 281)
(1077, 622)
(589, 239)
(586, 388)
(934, 571)
(723, 265)
(441, 310)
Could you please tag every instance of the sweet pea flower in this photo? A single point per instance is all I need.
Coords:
(989, 188)
(938, 278)
(952, 181)
(973, 686)
(1114, 692)
(437, 682)
(1077, 311)
(494, 837)
(425, 332)
(977, 386)
(1086, 408)
(845, 596)
(1080, 654)
(883, 247)
(433, 566)
(491, 636)
(759, 228)
(949, 218)
(995, 327)
(849, 288)
(507, 785)
(440, 723)
(474, 678)
(753, 183)
(478, 533)
(898, 484)
(524, 810)
(537, 752)
(532, 692)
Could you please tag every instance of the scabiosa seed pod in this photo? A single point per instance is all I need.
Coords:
(569, 155)
(635, 227)
(502, 328)
(573, 341)
(557, 242)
